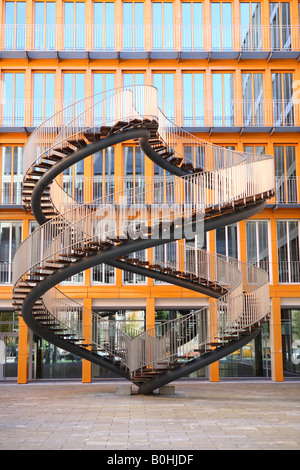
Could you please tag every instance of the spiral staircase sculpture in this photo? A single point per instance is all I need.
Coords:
(119, 228)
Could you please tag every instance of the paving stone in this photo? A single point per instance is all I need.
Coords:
(202, 415)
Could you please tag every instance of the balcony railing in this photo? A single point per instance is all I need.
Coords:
(289, 272)
(205, 114)
(5, 272)
(287, 189)
(234, 113)
(173, 38)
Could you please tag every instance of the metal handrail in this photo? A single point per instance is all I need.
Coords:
(227, 176)
(199, 113)
(153, 38)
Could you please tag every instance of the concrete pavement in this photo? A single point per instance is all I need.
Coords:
(201, 415)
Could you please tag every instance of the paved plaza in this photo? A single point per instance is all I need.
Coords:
(201, 415)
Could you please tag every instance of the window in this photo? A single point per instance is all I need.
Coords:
(285, 174)
(43, 96)
(133, 30)
(253, 112)
(221, 26)
(9, 321)
(195, 261)
(290, 319)
(73, 89)
(257, 242)
(44, 29)
(10, 239)
(104, 20)
(103, 274)
(226, 241)
(103, 181)
(131, 79)
(195, 154)
(134, 174)
(280, 21)
(282, 87)
(15, 26)
(162, 26)
(250, 26)
(192, 31)
(223, 105)
(288, 251)
(73, 181)
(164, 82)
(165, 256)
(74, 27)
(255, 149)
(13, 93)
(134, 278)
(193, 99)
(103, 82)
(12, 176)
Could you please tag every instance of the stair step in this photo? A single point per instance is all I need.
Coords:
(65, 150)
(80, 143)
(91, 137)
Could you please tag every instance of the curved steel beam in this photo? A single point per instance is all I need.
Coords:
(109, 256)
(75, 157)
(196, 364)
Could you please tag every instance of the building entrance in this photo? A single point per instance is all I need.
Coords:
(8, 356)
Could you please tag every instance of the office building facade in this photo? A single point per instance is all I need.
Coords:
(227, 72)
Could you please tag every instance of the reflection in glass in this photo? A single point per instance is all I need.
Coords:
(74, 26)
(226, 241)
(192, 31)
(44, 97)
(193, 99)
(253, 112)
(223, 105)
(162, 26)
(221, 26)
(291, 341)
(104, 20)
(44, 26)
(283, 108)
(250, 26)
(133, 20)
(280, 26)
(15, 26)
(288, 251)
(257, 243)
(164, 82)
(285, 174)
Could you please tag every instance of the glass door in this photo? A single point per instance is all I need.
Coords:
(8, 356)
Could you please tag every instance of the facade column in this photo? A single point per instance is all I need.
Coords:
(23, 354)
(276, 341)
(87, 329)
(24, 334)
(214, 374)
(150, 313)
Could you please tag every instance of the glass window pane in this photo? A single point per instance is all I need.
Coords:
(216, 25)
(168, 29)
(139, 26)
(80, 25)
(251, 241)
(157, 25)
(109, 25)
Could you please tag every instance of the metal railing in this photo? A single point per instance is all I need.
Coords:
(124, 38)
(233, 312)
(6, 272)
(227, 177)
(289, 272)
(202, 113)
